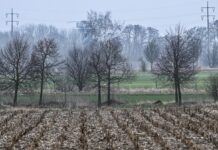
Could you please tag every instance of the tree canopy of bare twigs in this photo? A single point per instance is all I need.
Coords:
(77, 66)
(44, 61)
(178, 61)
(98, 26)
(14, 65)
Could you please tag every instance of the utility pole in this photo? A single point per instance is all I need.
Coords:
(12, 21)
(208, 16)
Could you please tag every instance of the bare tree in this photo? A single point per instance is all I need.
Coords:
(178, 61)
(151, 52)
(97, 67)
(116, 65)
(98, 26)
(14, 65)
(101, 28)
(77, 66)
(45, 58)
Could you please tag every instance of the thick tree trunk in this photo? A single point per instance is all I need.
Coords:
(176, 76)
(179, 94)
(80, 87)
(99, 93)
(15, 93)
(176, 91)
(215, 96)
(65, 96)
(109, 88)
(41, 88)
(156, 82)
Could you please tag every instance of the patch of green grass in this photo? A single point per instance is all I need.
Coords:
(148, 80)
(129, 99)
(137, 98)
(141, 80)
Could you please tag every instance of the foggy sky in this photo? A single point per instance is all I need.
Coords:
(160, 14)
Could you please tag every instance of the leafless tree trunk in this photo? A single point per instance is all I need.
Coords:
(41, 85)
(99, 92)
(109, 86)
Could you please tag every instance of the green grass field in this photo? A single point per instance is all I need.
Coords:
(142, 80)
(148, 80)
(128, 99)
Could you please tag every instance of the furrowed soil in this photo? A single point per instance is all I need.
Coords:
(187, 127)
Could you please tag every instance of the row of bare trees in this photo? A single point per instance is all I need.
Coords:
(18, 66)
(99, 59)
(177, 62)
(101, 62)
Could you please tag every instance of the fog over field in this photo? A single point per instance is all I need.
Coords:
(94, 43)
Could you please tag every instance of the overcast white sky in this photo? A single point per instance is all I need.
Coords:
(160, 14)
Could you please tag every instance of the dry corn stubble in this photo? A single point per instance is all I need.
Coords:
(193, 127)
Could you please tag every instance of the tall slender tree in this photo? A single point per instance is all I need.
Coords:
(97, 67)
(115, 64)
(45, 58)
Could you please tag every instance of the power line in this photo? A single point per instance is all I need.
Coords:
(12, 21)
(208, 16)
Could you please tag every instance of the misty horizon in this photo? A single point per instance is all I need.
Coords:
(160, 15)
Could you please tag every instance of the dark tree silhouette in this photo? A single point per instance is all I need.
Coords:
(45, 58)
(178, 61)
(14, 65)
